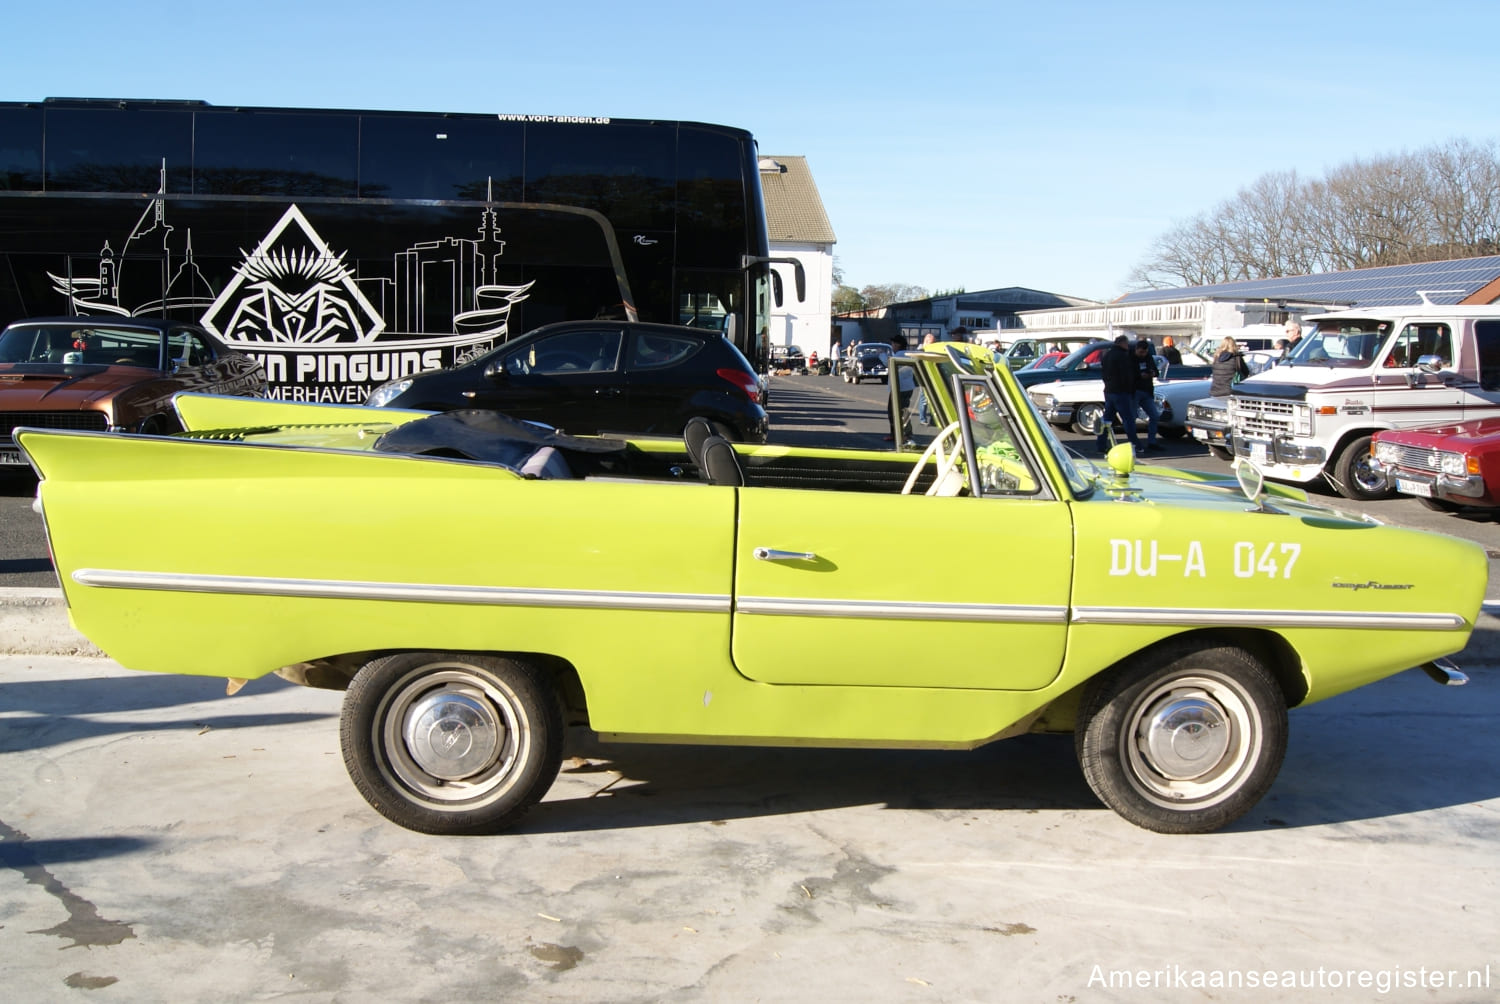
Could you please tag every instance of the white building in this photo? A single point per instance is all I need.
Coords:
(798, 228)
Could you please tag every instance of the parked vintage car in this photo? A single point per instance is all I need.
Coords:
(788, 359)
(586, 377)
(1208, 422)
(109, 373)
(1079, 402)
(1025, 352)
(1450, 468)
(501, 579)
(866, 361)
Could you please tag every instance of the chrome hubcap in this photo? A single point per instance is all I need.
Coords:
(1192, 740)
(451, 735)
(1186, 737)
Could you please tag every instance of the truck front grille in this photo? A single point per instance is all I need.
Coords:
(1261, 417)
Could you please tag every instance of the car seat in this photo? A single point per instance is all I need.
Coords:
(697, 431)
(720, 466)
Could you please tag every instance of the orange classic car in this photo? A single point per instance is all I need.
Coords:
(110, 373)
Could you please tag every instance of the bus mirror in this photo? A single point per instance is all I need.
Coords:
(799, 274)
(777, 295)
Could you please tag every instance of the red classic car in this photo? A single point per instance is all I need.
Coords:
(1448, 467)
(104, 373)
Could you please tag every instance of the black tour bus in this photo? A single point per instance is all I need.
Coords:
(346, 248)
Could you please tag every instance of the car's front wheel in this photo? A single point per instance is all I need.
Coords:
(451, 743)
(1355, 474)
(1185, 739)
(1088, 419)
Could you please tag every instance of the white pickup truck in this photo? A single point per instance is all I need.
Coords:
(1360, 371)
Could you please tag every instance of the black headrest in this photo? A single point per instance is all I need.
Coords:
(697, 431)
(720, 466)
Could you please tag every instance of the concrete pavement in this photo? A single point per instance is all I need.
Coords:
(164, 842)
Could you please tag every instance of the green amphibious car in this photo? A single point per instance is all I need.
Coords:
(474, 584)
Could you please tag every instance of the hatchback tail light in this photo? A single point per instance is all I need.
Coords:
(744, 381)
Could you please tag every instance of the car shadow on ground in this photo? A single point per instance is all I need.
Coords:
(54, 712)
(1378, 754)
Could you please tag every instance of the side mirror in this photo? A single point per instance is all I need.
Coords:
(495, 371)
(777, 294)
(1430, 364)
(1121, 459)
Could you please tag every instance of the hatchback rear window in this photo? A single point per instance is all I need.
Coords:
(652, 350)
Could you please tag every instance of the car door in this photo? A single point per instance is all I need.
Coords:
(867, 589)
(569, 379)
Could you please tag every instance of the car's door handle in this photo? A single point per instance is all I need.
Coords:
(607, 392)
(771, 554)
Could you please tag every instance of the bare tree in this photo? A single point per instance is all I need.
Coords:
(1443, 202)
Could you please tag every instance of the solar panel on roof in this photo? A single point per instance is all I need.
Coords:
(1383, 286)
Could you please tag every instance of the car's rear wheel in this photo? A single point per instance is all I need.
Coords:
(451, 743)
(1185, 739)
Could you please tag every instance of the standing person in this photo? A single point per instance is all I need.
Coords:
(1119, 392)
(1229, 366)
(1170, 352)
(1145, 391)
(1293, 333)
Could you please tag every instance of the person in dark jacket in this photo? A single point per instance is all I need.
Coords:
(1170, 352)
(1118, 370)
(1229, 365)
(1145, 390)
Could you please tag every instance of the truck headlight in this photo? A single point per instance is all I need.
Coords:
(387, 392)
(1301, 420)
(1387, 453)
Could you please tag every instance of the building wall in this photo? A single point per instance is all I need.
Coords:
(806, 324)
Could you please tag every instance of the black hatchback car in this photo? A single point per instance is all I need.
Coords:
(586, 377)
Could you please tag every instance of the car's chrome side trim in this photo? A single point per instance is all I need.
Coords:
(1270, 618)
(892, 610)
(403, 591)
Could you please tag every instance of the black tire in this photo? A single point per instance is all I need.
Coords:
(1355, 477)
(1088, 418)
(1172, 431)
(159, 425)
(503, 713)
(1222, 452)
(885, 380)
(1184, 739)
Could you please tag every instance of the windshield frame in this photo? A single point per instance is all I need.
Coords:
(1313, 348)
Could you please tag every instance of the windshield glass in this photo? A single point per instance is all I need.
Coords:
(1087, 357)
(1078, 483)
(1343, 343)
(69, 344)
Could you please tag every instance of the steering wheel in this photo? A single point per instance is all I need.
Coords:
(946, 462)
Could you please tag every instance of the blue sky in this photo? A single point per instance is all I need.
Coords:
(955, 144)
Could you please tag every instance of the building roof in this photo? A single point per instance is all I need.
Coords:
(794, 209)
(1459, 280)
